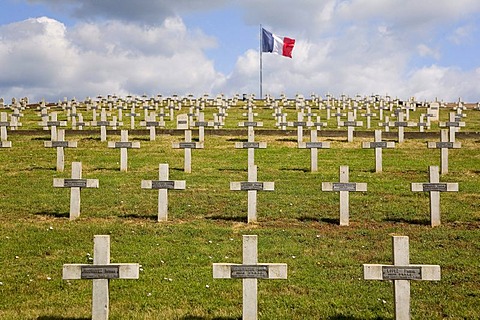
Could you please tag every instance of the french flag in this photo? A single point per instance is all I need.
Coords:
(275, 44)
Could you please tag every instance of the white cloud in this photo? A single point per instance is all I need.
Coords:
(42, 58)
(426, 51)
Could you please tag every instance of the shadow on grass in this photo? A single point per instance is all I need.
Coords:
(59, 318)
(188, 317)
(343, 317)
(139, 217)
(91, 138)
(287, 139)
(295, 169)
(228, 218)
(333, 221)
(107, 169)
(36, 168)
(231, 169)
(237, 140)
(41, 139)
(54, 214)
(422, 222)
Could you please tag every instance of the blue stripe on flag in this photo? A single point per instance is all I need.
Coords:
(267, 41)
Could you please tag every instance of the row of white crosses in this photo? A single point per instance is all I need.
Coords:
(250, 271)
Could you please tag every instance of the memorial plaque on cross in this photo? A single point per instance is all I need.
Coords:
(103, 123)
(151, 123)
(378, 145)
(4, 124)
(53, 124)
(101, 272)
(250, 271)
(124, 145)
(453, 125)
(75, 183)
(401, 124)
(344, 187)
(401, 273)
(434, 187)
(163, 184)
(187, 145)
(60, 144)
(444, 145)
(252, 186)
(350, 124)
(300, 124)
(314, 145)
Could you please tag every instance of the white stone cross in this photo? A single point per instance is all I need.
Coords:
(401, 124)
(250, 271)
(313, 145)
(350, 124)
(103, 123)
(444, 145)
(152, 124)
(401, 273)
(251, 145)
(100, 273)
(369, 116)
(434, 187)
(422, 123)
(53, 124)
(4, 143)
(132, 116)
(75, 183)
(201, 124)
(60, 144)
(300, 124)
(344, 187)
(123, 145)
(378, 145)
(453, 125)
(252, 186)
(163, 184)
(187, 145)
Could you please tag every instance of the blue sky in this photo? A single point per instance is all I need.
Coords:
(54, 49)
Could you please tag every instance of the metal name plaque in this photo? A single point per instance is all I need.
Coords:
(123, 144)
(401, 273)
(59, 144)
(350, 123)
(249, 272)
(251, 145)
(102, 123)
(151, 124)
(344, 186)
(250, 124)
(75, 183)
(440, 145)
(312, 145)
(378, 144)
(427, 187)
(401, 124)
(201, 124)
(156, 184)
(452, 124)
(187, 145)
(246, 186)
(4, 124)
(182, 122)
(299, 124)
(100, 272)
(53, 123)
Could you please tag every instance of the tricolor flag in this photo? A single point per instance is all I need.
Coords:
(275, 44)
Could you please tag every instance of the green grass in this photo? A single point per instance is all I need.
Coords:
(297, 225)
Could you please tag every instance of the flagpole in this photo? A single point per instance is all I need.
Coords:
(261, 62)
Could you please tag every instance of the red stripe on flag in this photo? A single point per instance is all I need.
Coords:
(288, 44)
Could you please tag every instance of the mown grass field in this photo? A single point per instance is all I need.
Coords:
(297, 225)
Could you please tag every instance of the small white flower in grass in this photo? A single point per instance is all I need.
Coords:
(318, 236)
(231, 239)
(207, 286)
(161, 261)
(17, 257)
(1, 283)
(293, 257)
(50, 228)
(149, 294)
(188, 205)
(170, 279)
(210, 257)
(210, 241)
(48, 278)
(7, 237)
(141, 269)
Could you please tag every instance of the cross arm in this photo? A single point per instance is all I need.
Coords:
(375, 271)
(275, 270)
(125, 270)
(80, 183)
(247, 186)
(169, 184)
(442, 187)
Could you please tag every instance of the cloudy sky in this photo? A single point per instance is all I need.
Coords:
(78, 48)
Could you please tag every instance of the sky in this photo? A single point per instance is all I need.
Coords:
(56, 49)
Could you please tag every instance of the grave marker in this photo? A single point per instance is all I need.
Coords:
(299, 124)
(401, 273)
(434, 187)
(124, 145)
(103, 123)
(60, 144)
(252, 186)
(152, 124)
(4, 143)
(453, 125)
(401, 124)
(350, 124)
(313, 145)
(163, 185)
(444, 145)
(344, 187)
(378, 145)
(187, 145)
(100, 273)
(53, 124)
(75, 183)
(250, 271)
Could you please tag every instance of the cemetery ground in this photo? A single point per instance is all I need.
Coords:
(297, 224)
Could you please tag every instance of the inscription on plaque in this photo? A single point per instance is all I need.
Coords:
(250, 124)
(379, 144)
(102, 123)
(123, 144)
(59, 144)
(344, 186)
(4, 124)
(427, 187)
(182, 122)
(401, 273)
(299, 124)
(251, 145)
(249, 272)
(53, 123)
(100, 272)
(151, 124)
(156, 184)
(452, 124)
(75, 183)
(251, 186)
(201, 124)
(311, 145)
(350, 123)
(187, 145)
(401, 124)
(444, 145)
